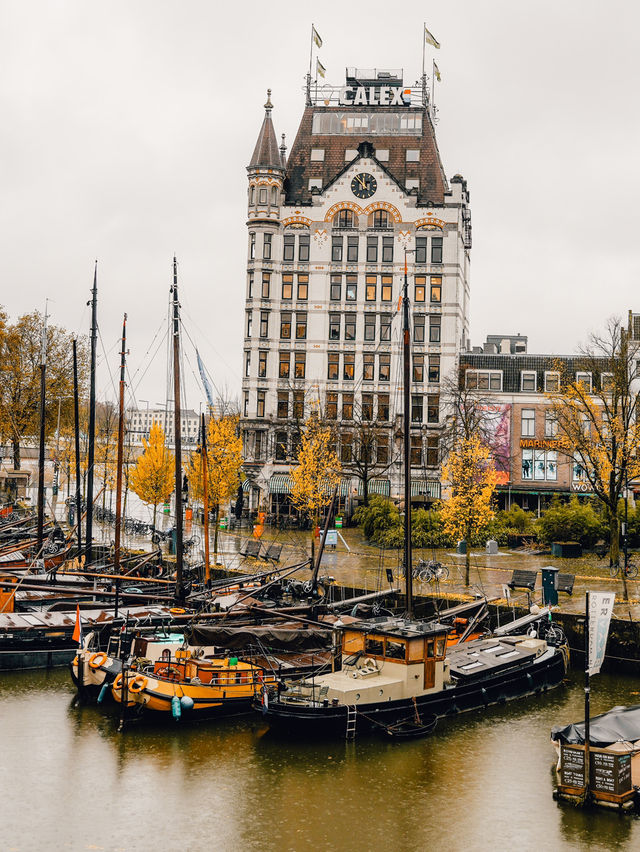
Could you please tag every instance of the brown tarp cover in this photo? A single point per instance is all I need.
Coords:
(271, 636)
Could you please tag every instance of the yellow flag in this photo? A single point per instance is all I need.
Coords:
(316, 36)
(320, 69)
(436, 73)
(431, 39)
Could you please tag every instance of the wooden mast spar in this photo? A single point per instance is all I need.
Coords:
(116, 554)
(177, 430)
(406, 351)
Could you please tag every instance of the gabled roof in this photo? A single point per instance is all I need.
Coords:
(267, 154)
(366, 151)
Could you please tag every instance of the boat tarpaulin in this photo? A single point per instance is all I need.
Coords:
(271, 636)
(621, 724)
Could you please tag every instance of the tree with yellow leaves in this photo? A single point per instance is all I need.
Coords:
(152, 478)
(318, 470)
(472, 477)
(596, 409)
(224, 460)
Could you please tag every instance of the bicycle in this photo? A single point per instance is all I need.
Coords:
(432, 570)
(631, 570)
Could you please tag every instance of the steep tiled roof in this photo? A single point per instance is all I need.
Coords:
(266, 154)
(300, 168)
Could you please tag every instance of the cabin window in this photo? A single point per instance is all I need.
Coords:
(374, 646)
(441, 644)
(395, 650)
(430, 648)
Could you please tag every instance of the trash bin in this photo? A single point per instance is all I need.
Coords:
(491, 547)
(461, 547)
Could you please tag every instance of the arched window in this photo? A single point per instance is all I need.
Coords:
(379, 219)
(344, 219)
(274, 195)
(252, 195)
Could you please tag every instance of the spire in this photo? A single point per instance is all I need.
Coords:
(266, 153)
(283, 152)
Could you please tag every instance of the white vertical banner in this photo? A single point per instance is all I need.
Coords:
(600, 609)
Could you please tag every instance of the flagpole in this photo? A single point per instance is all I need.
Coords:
(424, 76)
(309, 74)
(587, 690)
(433, 89)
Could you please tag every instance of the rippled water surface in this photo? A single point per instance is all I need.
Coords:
(481, 782)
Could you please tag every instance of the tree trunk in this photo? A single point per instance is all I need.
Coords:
(153, 525)
(467, 556)
(16, 453)
(614, 548)
(365, 490)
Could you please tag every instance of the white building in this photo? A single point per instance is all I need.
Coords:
(328, 232)
(139, 421)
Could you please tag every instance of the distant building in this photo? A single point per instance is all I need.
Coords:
(139, 421)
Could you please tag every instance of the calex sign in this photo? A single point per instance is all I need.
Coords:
(374, 96)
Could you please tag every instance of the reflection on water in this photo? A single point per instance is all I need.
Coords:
(483, 781)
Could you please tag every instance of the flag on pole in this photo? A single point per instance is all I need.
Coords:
(600, 609)
(431, 39)
(320, 69)
(316, 36)
(436, 73)
(77, 630)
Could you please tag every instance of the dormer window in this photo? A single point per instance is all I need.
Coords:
(317, 155)
(585, 380)
(528, 380)
(412, 155)
(315, 183)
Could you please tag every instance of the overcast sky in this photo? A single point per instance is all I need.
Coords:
(127, 127)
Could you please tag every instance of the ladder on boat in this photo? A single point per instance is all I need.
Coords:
(352, 716)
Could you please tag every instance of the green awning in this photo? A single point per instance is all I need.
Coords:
(280, 483)
(376, 486)
(425, 488)
(246, 484)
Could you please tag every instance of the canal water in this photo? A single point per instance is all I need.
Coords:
(483, 781)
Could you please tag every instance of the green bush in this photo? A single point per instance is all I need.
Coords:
(380, 516)
(572, 521)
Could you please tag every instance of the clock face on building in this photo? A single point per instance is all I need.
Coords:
(363, 185)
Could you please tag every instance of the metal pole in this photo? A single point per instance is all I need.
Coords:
(587, 690)
(116, 555)
(176, 430)
(43, 376)
(92, 415)
(76, 421)
(406, 338)
(205, 502)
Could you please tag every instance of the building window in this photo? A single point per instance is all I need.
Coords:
(317, 155)
(606, 383)
(434, 369)
(334, 326)
(379, 219)
(383, 407)
(336, 249)
(484, 380)
(284, 365)
(368, 366)
(382, 449)
(436, 249)
(260, 405)
(416, 450)
(245, 406)
(285, 325)
(579, 471)
(247, 364)
(418, 367)
(433, 408)
(539, 465)
(370, 327)
(287, 286)
(350, 326)
(416, 409)
(250, 286)
(300, 362)
(262, 364)
(367, 406)
(262, 195)
(421, 250)
(264, 324)
(386, 288)
(289, 248)
(385, 327)
(283, 405)
(370, 288)
(384, 367)
(585, 380)
(412, 155)
(552, 382)
(528, 380)
(335, 288)
(252, 246)
(315, 183)
(432, 451)
(259, 446)
(274, 196)
(528, 422)
(266, 245)
(434, 329)
(332, 406)
(420, 288)
(436, 288)
(252, 194)
(344, 219)
(249, 323)
(346, 440)
(382, 154)
(266, 284)
(372, 249)
(303, 248)
(351, 293)
(352, 249)
(303, 287)
(387, 249)
(418, 328)
(349, 366)
(550, 425)
(347, 406)
(301, 326)
(281, 446)
(298, 405)
(333, 369)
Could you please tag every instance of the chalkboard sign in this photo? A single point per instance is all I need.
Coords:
(610, 772)
(572, 767)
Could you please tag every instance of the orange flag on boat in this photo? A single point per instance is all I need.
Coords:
(77, 630)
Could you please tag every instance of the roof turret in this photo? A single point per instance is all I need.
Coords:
(266, 154)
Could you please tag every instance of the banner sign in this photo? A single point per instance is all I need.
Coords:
(600, 609)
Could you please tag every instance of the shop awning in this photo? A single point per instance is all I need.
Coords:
(425, 488)
(246, 484)
(376, 486)
(280, 483)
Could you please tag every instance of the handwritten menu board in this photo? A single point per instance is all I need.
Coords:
(610, 772)
(572, 767)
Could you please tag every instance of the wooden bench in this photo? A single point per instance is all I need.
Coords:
(272, 552)
(565, 583)
(251, 548)
(523, 579)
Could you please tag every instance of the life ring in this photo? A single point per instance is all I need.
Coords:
(117, 683)
(97, 660)
(167, 671)
(74, 662)
(138, 684)
(177, 610)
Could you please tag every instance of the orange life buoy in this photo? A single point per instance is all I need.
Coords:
(138, 684)
(118, 681)
(97, 660)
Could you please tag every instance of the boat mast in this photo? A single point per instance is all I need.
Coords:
(92, 416)
(76, 423)
(43, 374)
(406, 352)
(205, 502)
(176, 429)
(123, 353)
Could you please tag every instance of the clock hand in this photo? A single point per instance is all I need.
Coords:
(362, 182)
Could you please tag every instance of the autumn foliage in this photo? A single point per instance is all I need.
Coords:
(318, 470)
(153, 478)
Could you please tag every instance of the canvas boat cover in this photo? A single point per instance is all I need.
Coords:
(621, 724)
(271, 636)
